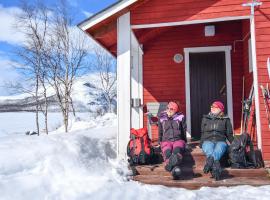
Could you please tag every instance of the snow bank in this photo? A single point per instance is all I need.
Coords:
(82, 164)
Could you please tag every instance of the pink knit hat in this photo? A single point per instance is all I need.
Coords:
(219, 105)
(173, 106)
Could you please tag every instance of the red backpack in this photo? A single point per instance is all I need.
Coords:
(139, 147)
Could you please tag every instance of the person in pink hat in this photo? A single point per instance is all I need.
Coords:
(216, 130)
(172, 138)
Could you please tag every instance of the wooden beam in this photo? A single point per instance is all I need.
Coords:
(105, 29)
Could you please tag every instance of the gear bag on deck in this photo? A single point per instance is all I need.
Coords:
(239, 156)
(139, 147)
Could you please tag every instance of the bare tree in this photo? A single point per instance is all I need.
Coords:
(65, 56)
(105, 65)
(33, 23)
(53, 54)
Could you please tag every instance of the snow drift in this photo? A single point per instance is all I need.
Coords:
(82, 164)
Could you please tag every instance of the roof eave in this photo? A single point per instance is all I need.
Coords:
(104, 14)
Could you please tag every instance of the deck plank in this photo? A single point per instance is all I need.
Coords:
(203, 181)
(193, 176)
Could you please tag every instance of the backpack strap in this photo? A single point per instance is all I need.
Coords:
(142, 145)
(133, 137)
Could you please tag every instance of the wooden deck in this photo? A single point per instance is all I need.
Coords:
(194, 178)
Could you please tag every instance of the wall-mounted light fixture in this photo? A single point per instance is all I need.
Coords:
(209, 31)
(178, 58)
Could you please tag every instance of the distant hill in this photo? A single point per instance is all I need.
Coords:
(86, 95)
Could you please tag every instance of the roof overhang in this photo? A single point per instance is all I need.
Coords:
(104, 14)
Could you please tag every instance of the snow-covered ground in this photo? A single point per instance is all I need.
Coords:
(82, 164)
(20, 122)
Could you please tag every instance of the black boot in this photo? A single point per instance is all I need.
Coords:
(208, 165)
(216, 170)
(176, 173)
(174, 160)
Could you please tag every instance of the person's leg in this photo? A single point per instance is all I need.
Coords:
(177, 152)
(179, 147)
(219, 150)
(176, 158)
(166, 148)
(208, 149)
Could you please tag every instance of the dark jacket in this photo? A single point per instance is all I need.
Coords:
(172, 128)
(215, 128)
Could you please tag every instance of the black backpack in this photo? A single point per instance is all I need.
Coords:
(240, 158)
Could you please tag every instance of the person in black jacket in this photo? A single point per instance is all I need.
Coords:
(216, 130)
(172, 138)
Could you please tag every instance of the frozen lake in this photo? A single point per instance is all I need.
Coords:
(20, 122)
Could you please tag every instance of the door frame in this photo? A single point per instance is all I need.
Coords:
(227, 50)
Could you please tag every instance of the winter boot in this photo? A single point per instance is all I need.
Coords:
(176, 173)
(216, 170)
(174, 160)
(208, 165)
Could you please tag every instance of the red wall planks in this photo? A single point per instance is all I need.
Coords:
(262, 24)
(160, 11)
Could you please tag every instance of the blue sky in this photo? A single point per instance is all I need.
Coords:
(9, 39)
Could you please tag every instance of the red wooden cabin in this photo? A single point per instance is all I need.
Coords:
(192, 51)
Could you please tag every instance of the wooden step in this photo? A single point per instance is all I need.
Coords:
(193, 176)
(150, 170)
(198, 182)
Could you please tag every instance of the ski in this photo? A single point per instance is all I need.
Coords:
(266, 97)
(247, 108)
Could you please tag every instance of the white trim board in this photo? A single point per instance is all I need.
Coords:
(136, 82)
(255, 81)
(123, 84)
(105, 14)
(227, 50)
(179, 23)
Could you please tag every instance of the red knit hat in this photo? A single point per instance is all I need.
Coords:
(172, 105)
(219, 105)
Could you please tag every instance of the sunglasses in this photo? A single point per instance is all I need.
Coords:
(170, 109)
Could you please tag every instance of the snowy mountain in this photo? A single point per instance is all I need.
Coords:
(86, 95)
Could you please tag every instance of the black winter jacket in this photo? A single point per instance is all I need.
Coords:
(216, 129)
(172, 128)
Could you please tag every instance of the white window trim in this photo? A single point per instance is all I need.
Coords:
(227, 50)
(255, 81)
(179, 23)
